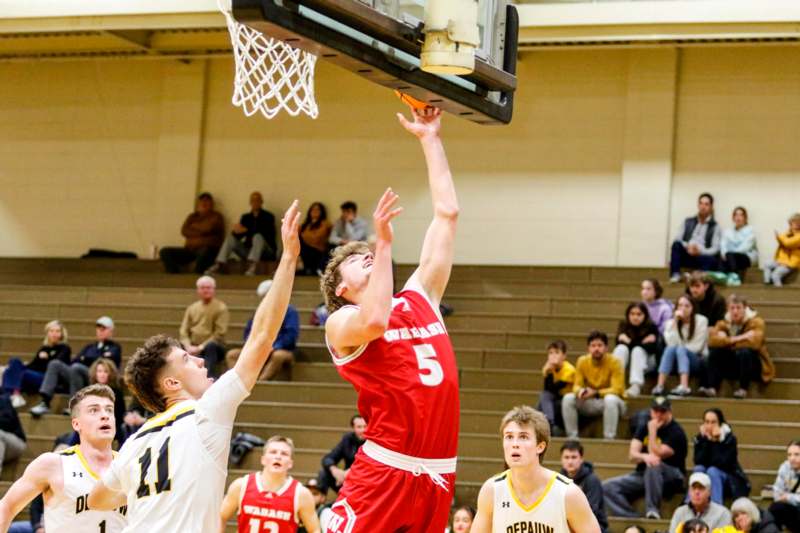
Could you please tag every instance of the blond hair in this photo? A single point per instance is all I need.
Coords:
(280, 438)
(102, 391)
(524, 415)
(332, 277)
(55, 324)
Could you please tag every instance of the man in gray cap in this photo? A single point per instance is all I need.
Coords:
(284, 345)
(659, 450)
(700, 506)
(76, 374)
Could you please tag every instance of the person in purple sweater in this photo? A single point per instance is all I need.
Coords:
(659, 308)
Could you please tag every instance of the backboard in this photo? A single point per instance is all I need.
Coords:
(381, 40)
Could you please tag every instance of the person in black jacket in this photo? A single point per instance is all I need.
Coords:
(697, 242)
(637, 338)
(20, 377)
(12, 437)
(253, 238)
(748, 518)
(582, 474)
(75, 374)
(716, 454)
(331, 476)
(710, 303)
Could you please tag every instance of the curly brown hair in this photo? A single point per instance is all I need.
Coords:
(144, 367)
(333, 277)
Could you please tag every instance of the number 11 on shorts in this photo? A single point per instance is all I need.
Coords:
(426, 361)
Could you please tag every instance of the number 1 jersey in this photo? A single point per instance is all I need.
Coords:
(407, 380)
(174, 469)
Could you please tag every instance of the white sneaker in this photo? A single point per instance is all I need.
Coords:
(17, 401)
(633, 391)
(676, 278)
(653, 515)
(680, 391)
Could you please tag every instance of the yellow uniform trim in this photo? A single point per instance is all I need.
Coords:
(535, 504)
(167, 416)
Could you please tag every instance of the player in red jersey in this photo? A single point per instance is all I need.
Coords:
(270, 501)
(396, 353)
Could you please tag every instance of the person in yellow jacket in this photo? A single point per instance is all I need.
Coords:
(787, 256)
(738, 350)
(598, 388)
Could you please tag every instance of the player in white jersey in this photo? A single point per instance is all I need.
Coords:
(528, 498)
(65, 478)
(172, 472)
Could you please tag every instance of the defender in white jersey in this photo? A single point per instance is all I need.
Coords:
(66, 478)
(172, 472)
(528, 498)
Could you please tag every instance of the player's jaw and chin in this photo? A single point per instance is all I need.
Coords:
(190, 371)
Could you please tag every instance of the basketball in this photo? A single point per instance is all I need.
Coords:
(410, 100)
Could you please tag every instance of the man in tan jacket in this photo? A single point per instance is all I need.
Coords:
(205, 324)
(738, 350)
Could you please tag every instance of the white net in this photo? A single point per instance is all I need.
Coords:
(270, 75)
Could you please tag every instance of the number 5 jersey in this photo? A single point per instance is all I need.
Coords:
(173, 470)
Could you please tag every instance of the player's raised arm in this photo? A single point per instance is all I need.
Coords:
(436, 259)
(231, 503)
(272, 309)
(34, 481)
(483, 516)
(580, 517)
(307, 511)
(351, 327)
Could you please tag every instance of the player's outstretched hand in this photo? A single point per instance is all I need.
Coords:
(427, 122)
(383, 215)
(290, 230)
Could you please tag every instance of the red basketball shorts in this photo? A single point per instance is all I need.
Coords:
(377, 498)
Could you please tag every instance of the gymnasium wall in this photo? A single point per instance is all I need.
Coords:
(607, 150)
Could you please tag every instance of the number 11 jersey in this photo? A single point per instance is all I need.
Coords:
(407, 380)
(173, 470)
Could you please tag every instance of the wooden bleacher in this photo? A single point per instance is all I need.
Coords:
(504, 318)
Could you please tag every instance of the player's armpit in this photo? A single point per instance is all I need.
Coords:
(230, 504)
(347, 330)
(307, 511)
(483, 517)
(35, 480)
(103, 498)
(580, 517)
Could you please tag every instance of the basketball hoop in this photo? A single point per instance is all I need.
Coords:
(270, 75)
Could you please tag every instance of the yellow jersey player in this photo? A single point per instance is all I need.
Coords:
(65, 478)
(172, 471)
(528, 498)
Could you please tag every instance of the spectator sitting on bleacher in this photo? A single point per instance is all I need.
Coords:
(559, 376)
(694, 525)
(204, 230)
(284, 345)
(738, 248)
(253, 238)
(660, 309)
(787, 256)
(205, 324)
(634, 529)
(738, 350)
(582, 474)
(702, 291)
(349, 227)
(637, 338)
(314, 234)
(12, 436)
(331, 476)
(700, 506)
(463, 517)
(786, 490)
(599, 385)
(20, 377)
(135, 417)
(686, 336)
(659, 451)
(75, 375)
(322, 508)
(697, 242)
(748, 518)
(716, 453)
